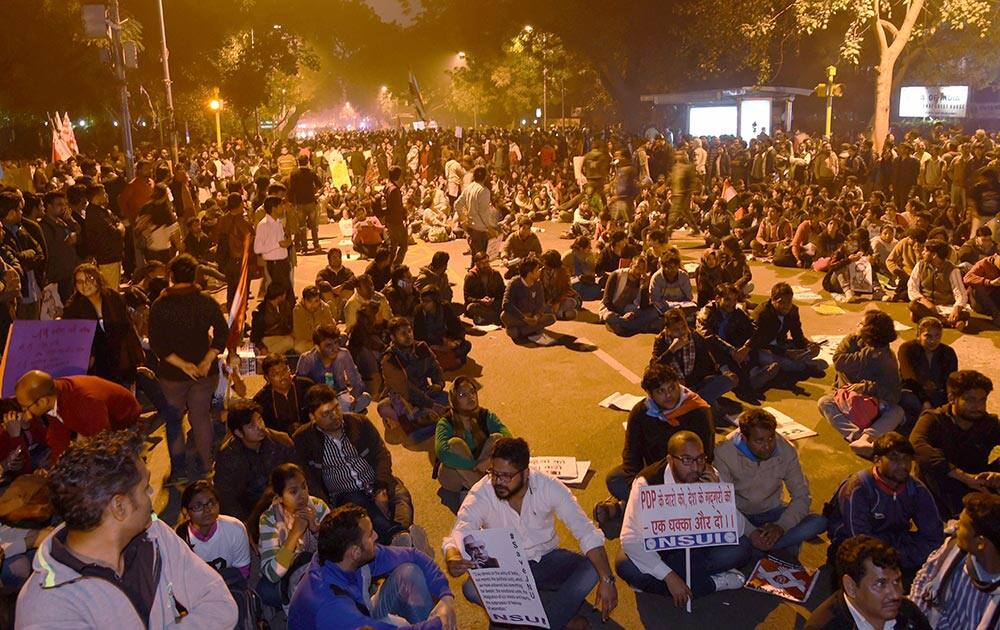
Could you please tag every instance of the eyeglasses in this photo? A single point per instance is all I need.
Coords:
(329, 415)
(201, 507)
(690, 461)
(465, 393)
(502, 476)
(86, 280)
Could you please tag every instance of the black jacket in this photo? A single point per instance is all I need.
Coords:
(100, 232)
(773, 333)
(179, 323)
(833, 614)
(265, 398)
(242, 475)
(302, 185)
(434, 327)
(361, 433)
(479, 285)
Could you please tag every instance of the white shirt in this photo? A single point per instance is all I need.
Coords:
(650, 562)
(266, 242)
(229, 542)
(546, 497)
(955, 277)
(861, 622)
(474, 202)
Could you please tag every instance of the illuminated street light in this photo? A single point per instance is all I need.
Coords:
(528, 28)
(81, 123)
(384, 89)
(461, 54)
(216, 106)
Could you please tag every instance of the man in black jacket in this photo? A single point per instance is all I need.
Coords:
(871, 591)
(179, 324)
(483, 291)
(104, 235)
(303, 183)
(246, 458)
(778, 337)
(436, 324)
(414, 384)
(27, 250)
(346, 461)
(61, 235)
(283, 395)
(395, 217)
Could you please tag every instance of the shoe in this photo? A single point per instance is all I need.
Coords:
(962, 325)
(729, 580)
(418, 537)
(863, 447)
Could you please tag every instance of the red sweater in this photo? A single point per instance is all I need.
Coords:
(87, 405)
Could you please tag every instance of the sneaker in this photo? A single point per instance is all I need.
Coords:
(419, 539)
(863, 447)
(729, 580)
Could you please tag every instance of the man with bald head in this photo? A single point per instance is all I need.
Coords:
(662, 572)
(75, 405)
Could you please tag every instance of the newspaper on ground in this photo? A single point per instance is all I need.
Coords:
(788, 428)
(621, 402)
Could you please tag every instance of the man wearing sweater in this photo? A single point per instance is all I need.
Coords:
(525, 313)
(622, 308)
(761, 465)
(179, 324)
(983, 283)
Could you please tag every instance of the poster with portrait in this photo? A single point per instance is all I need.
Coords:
(502, 576)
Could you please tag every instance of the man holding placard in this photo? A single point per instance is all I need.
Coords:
(513, 497)
(658, 564)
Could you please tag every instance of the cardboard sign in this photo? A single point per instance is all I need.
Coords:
(60, 347)
(685, 515)
(503, 577)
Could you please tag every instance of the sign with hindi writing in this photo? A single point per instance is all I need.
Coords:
(60, 347)
(503, 576)
(683, 515)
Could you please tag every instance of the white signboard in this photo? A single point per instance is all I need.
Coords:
(503, 577)
(562, 467)
(685, 515)
(948, 101)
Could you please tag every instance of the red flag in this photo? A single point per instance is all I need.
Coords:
(69, 136)
(238, 309)
(60, 151)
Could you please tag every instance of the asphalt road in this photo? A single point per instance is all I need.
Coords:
(550, 397)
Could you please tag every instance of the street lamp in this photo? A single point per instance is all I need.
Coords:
(384, 89)
(216, 106)
(461, 54)
(528, 28)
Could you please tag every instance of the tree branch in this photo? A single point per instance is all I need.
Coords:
(883, 44)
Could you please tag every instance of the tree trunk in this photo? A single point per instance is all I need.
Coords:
(883, 101)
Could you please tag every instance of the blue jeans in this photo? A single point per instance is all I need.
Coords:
(404, 593)
(564, 578)
(617, 484)
(889, 417)
(705, 562)
(645, 320)
(171, 422)
(712, 388)
(786, 363)
(587, 292)
(787, 547)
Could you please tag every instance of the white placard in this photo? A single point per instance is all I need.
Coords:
(503, 579)
(685, 515)
(621, 402)
(788, 428)
(945, 101)
(561, 467)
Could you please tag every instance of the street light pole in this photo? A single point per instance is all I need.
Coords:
(831, 72)
(171, 126)
(545, 98)
(116, 44)
(216, 105)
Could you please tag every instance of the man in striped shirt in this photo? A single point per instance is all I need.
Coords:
(959, 587)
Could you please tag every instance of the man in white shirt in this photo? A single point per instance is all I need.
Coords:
(476, 213)
(662, 572)
(270, 243)
(513, 497)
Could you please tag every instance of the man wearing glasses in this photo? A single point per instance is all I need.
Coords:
(75, 405)
(513, 497)
(661, 572)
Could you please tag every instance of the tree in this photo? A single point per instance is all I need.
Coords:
(895, 28)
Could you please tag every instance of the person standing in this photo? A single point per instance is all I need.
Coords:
(231, 234)
(395, 217)
(179, 324)
(104, 236)
(134, 196)
(271, 243)
(474, 208)
(61, 235)
(303, 184)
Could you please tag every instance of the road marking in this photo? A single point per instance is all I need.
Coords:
(613, 363)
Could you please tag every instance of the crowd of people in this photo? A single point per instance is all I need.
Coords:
(290, 506)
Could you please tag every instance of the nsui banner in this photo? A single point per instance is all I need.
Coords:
(688, 515)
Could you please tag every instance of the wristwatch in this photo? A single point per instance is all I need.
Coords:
(608, 579)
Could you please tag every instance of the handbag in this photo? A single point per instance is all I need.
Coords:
(861, 410)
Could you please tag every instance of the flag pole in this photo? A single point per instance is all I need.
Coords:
(116, 40)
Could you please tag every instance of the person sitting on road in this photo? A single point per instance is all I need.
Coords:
(340, 279)
(309, 313)
(520, 245)
(346, 461)
(580, 263)
(670, 285)
(483, 291)
(610, 257)
(870, 591)
(778, 336)
(402, 292)
(624, 308)
(762, 465)
(464, 437)
(246, 458)
(563, 300)
(515, 496)
(525, 312)
(328, 362)
(331, 595)
(218, 539)
(660, 572)
(668, 407)
(437, 325)
(957, 586)
(364, 294)
(935, 283)
(924, 366)
(414, 384)
(884, 501)
(903, 257)
(436, 274)
(983, 283)
(693, 358)
(281, 397)
(271, 324)
(865, 403)
(953, 443)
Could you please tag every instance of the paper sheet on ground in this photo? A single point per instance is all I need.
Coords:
(620, 402)
(826, 350)
(543, 339)
(487, 327)
(900, 326)
(828, 309)
(568, 470)
(788, 428)
(804, 294)
(789, 581)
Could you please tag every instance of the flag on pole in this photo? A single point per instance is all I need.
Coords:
(69, 135)
(418, 100)
(238, 310)
(60, 150)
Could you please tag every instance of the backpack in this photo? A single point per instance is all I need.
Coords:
(248, 604)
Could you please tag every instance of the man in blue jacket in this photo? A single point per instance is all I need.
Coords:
(886, 502)
(334, 594)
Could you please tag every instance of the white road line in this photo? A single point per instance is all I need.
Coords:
(613, 363)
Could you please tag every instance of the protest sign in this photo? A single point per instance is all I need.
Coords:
(681, 515)
(503, 576)
(563, 467)
(790, 581)
(60, 347)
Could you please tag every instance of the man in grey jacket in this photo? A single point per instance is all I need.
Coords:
(761, 464)
(110, 565)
